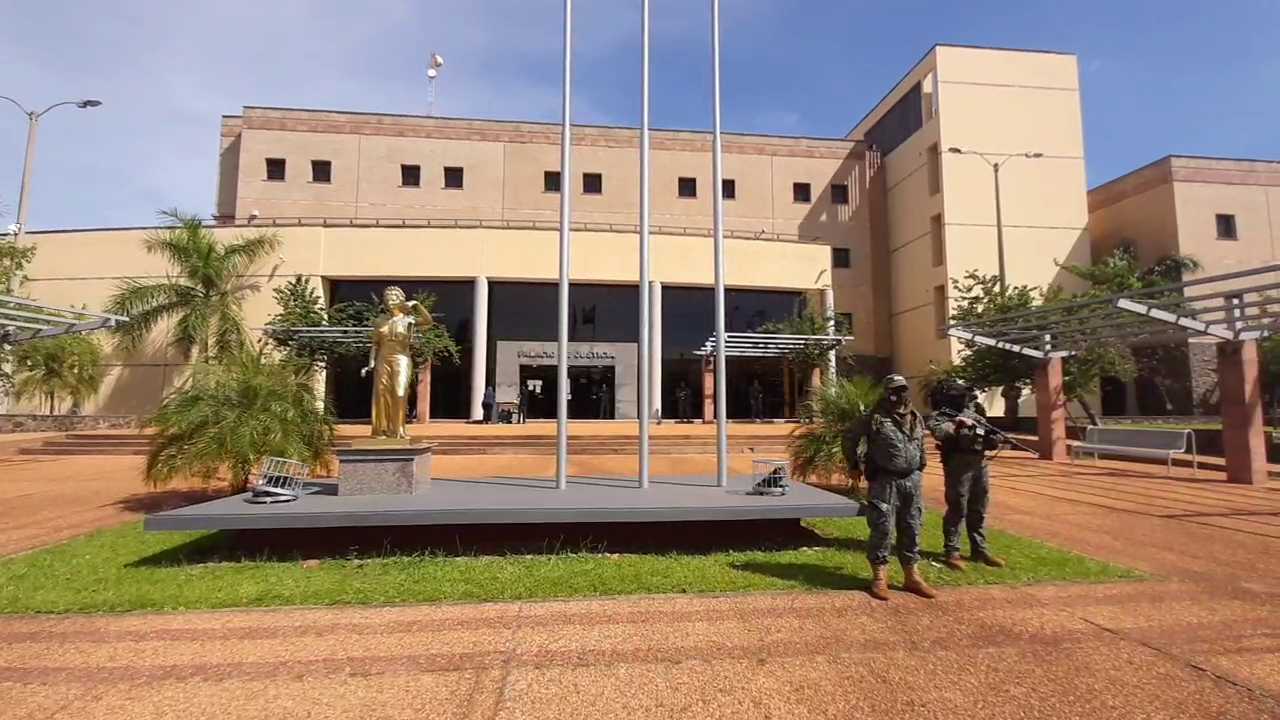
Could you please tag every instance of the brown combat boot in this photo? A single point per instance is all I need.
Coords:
(914, 583)
(879, 582)
(955, 562)
(989, 560)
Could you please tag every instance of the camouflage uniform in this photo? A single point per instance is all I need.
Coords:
(893, 461)
(968, 487)
(896, 457)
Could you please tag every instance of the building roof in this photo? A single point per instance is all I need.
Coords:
(1187, 169)
(891, 96)
(507, 124)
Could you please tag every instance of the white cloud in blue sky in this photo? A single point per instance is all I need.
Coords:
(1158, 77)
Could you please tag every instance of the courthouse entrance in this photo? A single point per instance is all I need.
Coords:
(602, 379)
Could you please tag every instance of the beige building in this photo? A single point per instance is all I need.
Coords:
(1225, 213)
(874, 225)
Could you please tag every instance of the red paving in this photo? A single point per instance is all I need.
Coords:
(1201, 641)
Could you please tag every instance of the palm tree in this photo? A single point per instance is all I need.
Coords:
(816, 447)
(203, 293)
(68, 367)
(234, 414)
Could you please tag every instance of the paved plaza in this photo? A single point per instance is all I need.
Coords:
(1199, 640)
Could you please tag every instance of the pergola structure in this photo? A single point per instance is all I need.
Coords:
(759, 345)
(1234, 310)
(23, 320)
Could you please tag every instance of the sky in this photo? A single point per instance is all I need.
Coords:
(1158, 77)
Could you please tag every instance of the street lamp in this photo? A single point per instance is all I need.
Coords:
(33, 124)
(995, 173)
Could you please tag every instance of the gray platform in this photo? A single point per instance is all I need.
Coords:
(504, 500)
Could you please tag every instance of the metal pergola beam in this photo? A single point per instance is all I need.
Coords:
(768, 345)
(50, 320)
(1138, 317)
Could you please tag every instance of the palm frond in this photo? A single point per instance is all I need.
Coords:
(234, 414)
(816, 447)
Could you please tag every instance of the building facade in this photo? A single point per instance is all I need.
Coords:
(1225, 213)
(885, 218)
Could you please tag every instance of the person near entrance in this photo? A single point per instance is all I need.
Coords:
(522, 404)
(487, 405)
(958, 428)
(756, 394)
(684, 400)
(606, 403)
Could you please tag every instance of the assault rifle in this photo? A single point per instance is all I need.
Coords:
(987, 427)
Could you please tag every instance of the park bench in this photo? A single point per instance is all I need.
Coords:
(1137, 442)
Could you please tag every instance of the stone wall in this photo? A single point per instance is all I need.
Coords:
(66, 423)
(1204, 376)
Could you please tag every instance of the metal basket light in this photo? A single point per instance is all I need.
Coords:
(279, 480)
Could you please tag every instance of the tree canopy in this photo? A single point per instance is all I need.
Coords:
(300, 306)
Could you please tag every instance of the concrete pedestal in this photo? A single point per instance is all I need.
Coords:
(383, 467)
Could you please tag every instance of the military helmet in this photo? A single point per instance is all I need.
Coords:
(957, 388)
(893, 382)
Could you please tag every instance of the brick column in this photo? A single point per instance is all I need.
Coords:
(424, 393)
(1243, 438)
(708, 390)
(1051, 410)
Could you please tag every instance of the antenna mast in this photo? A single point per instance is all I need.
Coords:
(433, 71)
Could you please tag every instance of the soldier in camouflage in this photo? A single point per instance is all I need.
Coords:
(963, 444)
(893, 462)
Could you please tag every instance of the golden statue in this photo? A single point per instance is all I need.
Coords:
(391, 361)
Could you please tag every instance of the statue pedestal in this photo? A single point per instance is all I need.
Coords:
(383, 467)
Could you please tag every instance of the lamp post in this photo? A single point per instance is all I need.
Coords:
(33, 125)
(995, 174)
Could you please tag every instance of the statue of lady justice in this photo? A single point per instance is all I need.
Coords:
(391, 361)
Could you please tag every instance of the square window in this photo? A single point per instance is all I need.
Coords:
(844, 321)
(453, 178)
(321, 171)
(592, 184)
(1226, 227)
(275, 169)
(728, 189)
(687, 187)
(801, 192)
(410, 176)
(934, 169)
(840, 257)
(839, 194)
(937, 241)
(551, 181)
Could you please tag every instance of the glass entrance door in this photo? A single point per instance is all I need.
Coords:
(591, 395)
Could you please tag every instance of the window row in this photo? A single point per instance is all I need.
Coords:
(454, 178)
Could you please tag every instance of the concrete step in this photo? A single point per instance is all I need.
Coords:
(118, 438)
(464, 450)
(82, 451)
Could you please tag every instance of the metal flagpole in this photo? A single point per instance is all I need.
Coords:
(646, 367)
(717, 194)
(562, 339)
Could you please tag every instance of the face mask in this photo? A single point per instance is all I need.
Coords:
(898, 399)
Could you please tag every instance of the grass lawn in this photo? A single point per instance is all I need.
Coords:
(124, 569)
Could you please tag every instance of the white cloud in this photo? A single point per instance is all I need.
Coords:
(167, 71)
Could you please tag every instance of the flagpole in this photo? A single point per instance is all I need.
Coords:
(566, 185)
(645, 364)
(717, 195)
